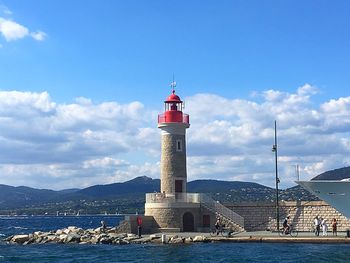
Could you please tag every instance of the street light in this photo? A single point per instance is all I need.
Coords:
(274, 149)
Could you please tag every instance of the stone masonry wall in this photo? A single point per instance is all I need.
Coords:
(261, 215)
(173, 163)
(172, 217)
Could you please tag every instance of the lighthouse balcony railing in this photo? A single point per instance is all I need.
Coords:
(163, 118)
(176, 197)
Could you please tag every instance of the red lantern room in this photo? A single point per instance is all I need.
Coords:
(173, 106)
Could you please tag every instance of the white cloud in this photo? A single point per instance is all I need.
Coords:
(12, 31)
(41, 138)
(38, 35)
(308, 135)
(53, 145)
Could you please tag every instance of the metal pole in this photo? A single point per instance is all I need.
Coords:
(298, 172)
(277, 180)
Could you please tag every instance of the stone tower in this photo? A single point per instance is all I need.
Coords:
(173, 209)
(173, 124)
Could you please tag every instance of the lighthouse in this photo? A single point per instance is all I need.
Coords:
(173, 209)
(173, 124)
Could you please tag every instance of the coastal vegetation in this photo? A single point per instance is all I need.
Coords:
(128, 197)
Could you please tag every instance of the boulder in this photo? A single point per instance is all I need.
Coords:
(94, 240)
(98, 230)
(38, 239)
(72, 238)
(30, 241)
(62, 237)
(154, 236)
(37, 233)
(52, 238)
(100, 236)
(43, 235)
(112, 230)
(85, 238)
(59, 232)
(199, 239)
(121, 242)
(90, 231)
(20, 239)
(174, 237)
(116, 235)
(189, 240)
(177, 240)
(105, 240)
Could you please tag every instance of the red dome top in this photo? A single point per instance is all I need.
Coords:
(173, 98)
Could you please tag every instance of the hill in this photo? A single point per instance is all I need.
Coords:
(336, 174)
(129, 196)
(12, 197)
(142, 184)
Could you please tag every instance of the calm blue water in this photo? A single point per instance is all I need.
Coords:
(202, 252)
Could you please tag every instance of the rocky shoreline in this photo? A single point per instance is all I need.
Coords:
(99, 235)
(76, 235)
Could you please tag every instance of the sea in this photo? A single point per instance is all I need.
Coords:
(194, 252)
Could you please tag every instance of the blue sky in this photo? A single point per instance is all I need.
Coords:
(274, 58)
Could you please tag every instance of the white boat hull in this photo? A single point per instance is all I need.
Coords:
(335, 193)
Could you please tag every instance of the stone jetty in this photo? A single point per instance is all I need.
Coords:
(75, 235)
(99, 235)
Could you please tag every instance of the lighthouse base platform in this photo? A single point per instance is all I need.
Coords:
(180, 212)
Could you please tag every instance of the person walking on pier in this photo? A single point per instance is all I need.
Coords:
(317, 223)
(334, 226)
(324, 227)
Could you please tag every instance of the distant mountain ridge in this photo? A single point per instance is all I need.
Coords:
(336, 174)
(141, 184)
(129, 196)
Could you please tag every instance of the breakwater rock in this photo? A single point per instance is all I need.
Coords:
(74, 234)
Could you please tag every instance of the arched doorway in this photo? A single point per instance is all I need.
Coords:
(188, 222)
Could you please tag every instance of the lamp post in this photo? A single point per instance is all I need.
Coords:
(274, 149)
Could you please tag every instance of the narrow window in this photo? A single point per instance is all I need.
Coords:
(179, 145)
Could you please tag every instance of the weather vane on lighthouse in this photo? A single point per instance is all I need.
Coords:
(173, 85)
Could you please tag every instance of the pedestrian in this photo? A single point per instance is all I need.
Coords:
(103, 226)
(317, 223)
(324, 227)
(334, 226)
(217, 225)
(139, 226)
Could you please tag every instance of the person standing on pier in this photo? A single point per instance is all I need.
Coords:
(334, 226)
(317, 223)
(324, 227)
(139, 225)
